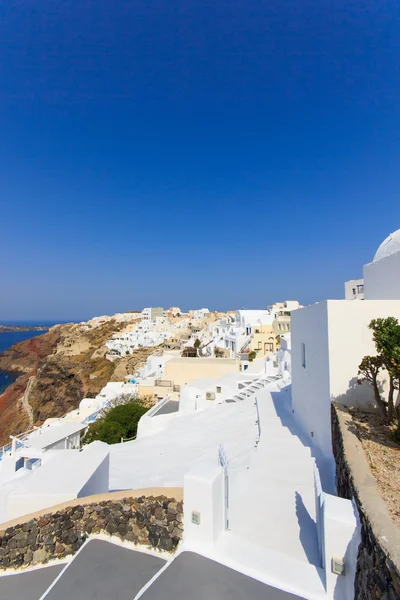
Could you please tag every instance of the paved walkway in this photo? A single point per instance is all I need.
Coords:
(168, 408)
(278, 486)
(28, 586)
(105, 571)
(191, 576)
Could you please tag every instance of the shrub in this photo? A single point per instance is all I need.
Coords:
(121, 421)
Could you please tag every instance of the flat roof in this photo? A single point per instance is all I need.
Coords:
(63, 471)
(46, 436)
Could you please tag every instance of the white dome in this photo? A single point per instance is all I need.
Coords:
(389, 246)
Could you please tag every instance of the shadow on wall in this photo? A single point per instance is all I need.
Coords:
(359, 395)
(308, 532)
(345, 586)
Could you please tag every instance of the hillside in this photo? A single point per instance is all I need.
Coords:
(68, 363)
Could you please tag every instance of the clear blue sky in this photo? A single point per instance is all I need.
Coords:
(219, 153)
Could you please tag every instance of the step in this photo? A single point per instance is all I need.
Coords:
(270, 566)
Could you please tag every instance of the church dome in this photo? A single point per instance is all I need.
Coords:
(389, 246)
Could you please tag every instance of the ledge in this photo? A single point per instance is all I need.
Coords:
(176, 493)
(366, 489)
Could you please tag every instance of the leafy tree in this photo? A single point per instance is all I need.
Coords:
(386, 335)
(252, 356)
(369, 369)
(197, 344)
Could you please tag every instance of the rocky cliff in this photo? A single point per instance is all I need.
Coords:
(67, 364)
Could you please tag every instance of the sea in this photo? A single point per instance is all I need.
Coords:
(10, 338)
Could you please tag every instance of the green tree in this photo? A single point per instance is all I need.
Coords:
(252, 355)
(369, 369)
(197, 344)
(386, 335)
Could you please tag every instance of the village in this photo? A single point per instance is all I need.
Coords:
(240, 426)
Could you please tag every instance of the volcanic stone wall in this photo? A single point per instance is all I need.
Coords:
(378, 561)
(155, 522)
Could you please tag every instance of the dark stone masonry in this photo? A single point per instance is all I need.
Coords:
(378, 573)
(155, 522)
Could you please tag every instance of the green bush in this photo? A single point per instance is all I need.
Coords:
(119, 422)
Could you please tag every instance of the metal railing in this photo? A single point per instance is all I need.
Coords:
(258, 423)
(223, 461)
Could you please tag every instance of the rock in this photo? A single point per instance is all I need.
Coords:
(159, 513)
(131, 537)
(40, 556)
(171, 515)
(111, 527)
(179, 507)
(30, 526)
(43, 521)
(59, 549)
(122, 529)
(69, 537)
(166, 543)
(154, 539)
(28, 556)
(67, 524)
(126, 508)
(177, 533)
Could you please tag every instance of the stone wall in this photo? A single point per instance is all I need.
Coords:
(378, 562)
(156, 522)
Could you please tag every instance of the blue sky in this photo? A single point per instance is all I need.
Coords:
(194, 153)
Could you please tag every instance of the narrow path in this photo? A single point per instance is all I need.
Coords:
(25, 401)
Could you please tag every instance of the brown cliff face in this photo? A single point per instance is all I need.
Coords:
(68, 364)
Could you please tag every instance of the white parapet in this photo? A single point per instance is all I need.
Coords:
(340, 548)
(65, 475)
(204, 505)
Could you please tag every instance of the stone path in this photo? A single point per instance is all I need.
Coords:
(25, 400)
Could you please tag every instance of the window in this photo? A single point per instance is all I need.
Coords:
(360, 289)
(218, 389)
(354, 291)
(303, 355)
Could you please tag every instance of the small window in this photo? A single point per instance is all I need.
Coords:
(219, 389)
(303, 355)
(354, 291)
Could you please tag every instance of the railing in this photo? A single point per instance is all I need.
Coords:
(258, 423)
(163, 383)
(223, 461)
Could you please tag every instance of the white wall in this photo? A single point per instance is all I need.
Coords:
(350, 340)
(310, 385)
(336, 338)
(382, 279)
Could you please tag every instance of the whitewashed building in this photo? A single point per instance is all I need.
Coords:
(329, 340)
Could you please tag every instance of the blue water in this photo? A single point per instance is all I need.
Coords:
(6, 340)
